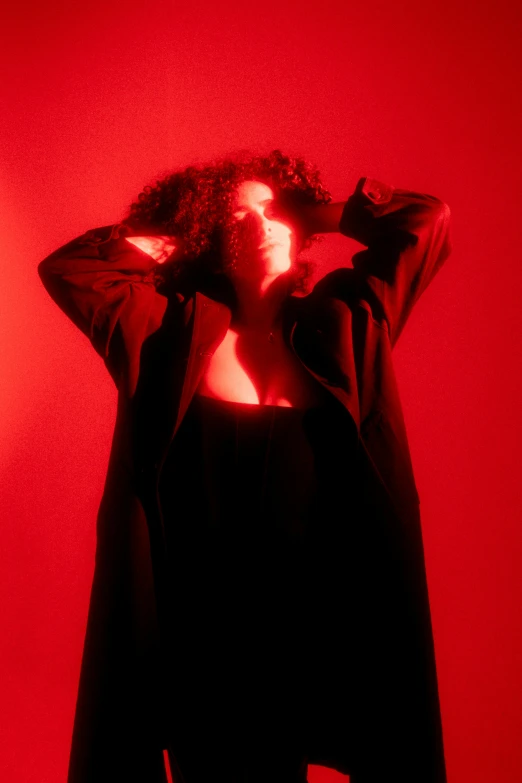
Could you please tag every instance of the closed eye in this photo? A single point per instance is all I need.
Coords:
(268, 203)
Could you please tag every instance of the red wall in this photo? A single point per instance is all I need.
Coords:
(422, 95)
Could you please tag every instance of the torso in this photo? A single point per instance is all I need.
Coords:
(247, 367)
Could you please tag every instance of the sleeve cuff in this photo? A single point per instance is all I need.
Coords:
(374, 191)
(99, 236)
(358, 213)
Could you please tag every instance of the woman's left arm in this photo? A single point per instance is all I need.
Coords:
(407, 239)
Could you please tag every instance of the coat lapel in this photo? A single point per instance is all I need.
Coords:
(209, 327)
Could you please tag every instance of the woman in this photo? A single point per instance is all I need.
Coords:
(260, 516)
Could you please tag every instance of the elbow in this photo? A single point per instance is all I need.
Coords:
(437, 212)
(443, 213)
(43, 271)
(443, 229)
(50, 279)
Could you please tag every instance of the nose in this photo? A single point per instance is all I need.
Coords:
(259, 227)
(262, 222)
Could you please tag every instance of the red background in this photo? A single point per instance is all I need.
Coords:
(426, 96)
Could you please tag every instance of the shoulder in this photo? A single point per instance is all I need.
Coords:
(339, 283)
(350, 287)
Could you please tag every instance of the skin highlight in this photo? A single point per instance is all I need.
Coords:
(268, 249)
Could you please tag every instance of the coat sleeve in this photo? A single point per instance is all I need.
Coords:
(407, 239)
(106, 286)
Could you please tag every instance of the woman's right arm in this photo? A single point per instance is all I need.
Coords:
(104, 282)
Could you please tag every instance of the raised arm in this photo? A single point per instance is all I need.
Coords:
(104, 282)
(407, 240)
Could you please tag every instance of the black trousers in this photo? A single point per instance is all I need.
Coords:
(242, 710)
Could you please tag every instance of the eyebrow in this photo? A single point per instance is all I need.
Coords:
(266, 201)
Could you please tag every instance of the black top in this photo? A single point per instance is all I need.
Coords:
(248, 493)
(255, 472)
(246, 470)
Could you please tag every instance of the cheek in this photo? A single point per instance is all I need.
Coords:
(283, 230)
(296, 245)
(290, 241)
(296, 242)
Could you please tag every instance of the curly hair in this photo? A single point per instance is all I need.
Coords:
(195, 205)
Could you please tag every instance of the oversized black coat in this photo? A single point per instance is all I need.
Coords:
(156, 348)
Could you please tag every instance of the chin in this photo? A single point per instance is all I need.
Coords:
(280, 266)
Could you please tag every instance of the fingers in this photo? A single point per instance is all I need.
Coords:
(159, 248)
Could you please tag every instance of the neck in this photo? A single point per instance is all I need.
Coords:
(259, 302)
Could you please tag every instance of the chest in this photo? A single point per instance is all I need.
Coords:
(249, 367)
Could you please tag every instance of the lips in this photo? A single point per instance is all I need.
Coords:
(270, 244)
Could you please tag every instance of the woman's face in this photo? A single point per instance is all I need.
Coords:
(266, 242)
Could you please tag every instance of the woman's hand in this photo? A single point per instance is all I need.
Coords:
(160, 248)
